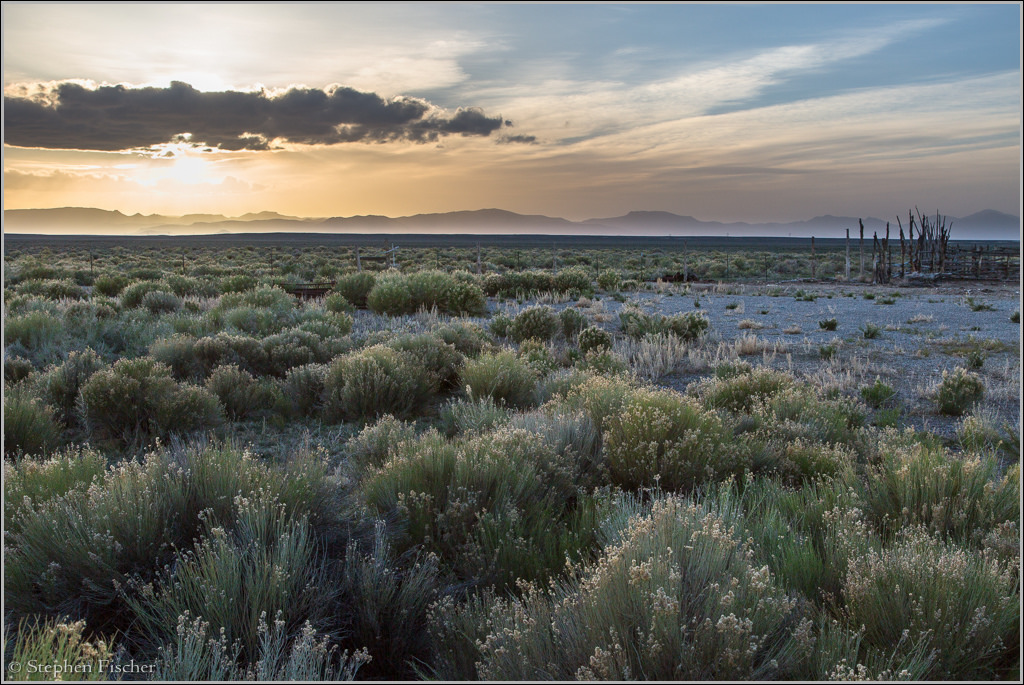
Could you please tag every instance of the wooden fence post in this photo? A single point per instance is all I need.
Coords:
(861, 222)
(847, 255)
(814, 264)
(359, 262)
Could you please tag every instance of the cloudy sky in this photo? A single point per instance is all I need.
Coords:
(724, 112)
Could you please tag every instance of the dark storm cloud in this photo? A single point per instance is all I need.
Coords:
(120, 118)
(529, 140)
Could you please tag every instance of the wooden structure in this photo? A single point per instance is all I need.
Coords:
(309, 291)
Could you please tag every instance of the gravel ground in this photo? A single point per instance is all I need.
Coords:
(925, 330)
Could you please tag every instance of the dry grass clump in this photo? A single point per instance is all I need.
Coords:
(737, 388)
(958, 392)
(502, 376)
(750, 324)
(653, 356)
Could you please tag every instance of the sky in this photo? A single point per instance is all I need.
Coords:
(761, 112)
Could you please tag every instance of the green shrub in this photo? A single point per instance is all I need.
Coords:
(137, 399)
(828, 351)
(609, 281)
(131, 296)
(964, 607)
(238, 283)
(303, 388)
(30, 482)
(534, 322)
(372, 446)
(871, 331)
(336, 302)
(501, 376)
(637, 324)
(60, 386)
(739, 393)
(178, 353)
(600, 397)
(29, 426)
(33, 330)
(16, 369)
(958, 392)
(375, 381)
(391, 295)
(594, 338)
(573, 279)
(962, 498)
(975, 358)
(878, 394)
(267, 565)
(828, 324)
(464, 501)
(472, 415)
(109, 285)
(573, 321)
(439, 360)
(466, 337)
(387, 602)
(161, 302)
(241, 395)
(355, 287)
(664, 439)
(501, 325)
(1015, 317)
(689, 605)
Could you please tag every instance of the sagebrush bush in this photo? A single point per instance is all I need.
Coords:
(573, 279)
(178, 353)
(540, 323)
(17, 369)
(600, 397)
(573, 321)
(33, 330)
(60, 386)
(501, 325)
(336, 302)
(267, 565)
(466, 500)
(29, 482)
(594, 338)
(960, 497)
(739, 392)
(355, 287)
(964, 607)
(958, 392)
(29, 425)
(439, 360)
(608, 280)
(241, 395)
(466, 337)
(137, 399)
(397, 294)
(109, 285)
(689, 605)
(303, 388)
(160, 302)
(463, 415)
(501, 376)
(375, 381)
(372, 446)
(828, 324)
(664, 439)
(132, 295)
(636, 323)
(878, 394)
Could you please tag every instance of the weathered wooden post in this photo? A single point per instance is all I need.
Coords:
(888, 255)
(847, 255)
(479, 264)
(902, 256)
(874, 259)
(359, 262)
(861, 222)
(814, 263)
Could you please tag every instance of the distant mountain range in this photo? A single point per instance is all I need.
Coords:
(985, 225)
